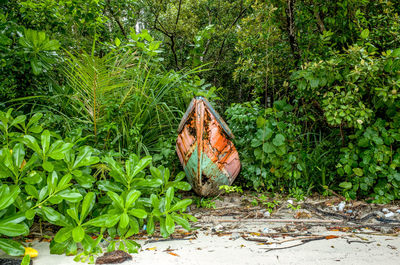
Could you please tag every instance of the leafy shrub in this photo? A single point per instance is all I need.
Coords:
(275, 154)
(47, 177)
(369, 164)
(26, 57)
(269, 159)
(125, 100)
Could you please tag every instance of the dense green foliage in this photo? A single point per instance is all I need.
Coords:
(52, 178)
(310, 88)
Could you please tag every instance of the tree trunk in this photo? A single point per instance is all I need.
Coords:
(291, 29)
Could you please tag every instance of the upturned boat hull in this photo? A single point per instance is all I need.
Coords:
(205, 150)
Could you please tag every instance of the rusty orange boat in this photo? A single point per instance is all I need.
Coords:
(205, 149)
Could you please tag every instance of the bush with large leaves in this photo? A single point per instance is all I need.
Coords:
(47, 177)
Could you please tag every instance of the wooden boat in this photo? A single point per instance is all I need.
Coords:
(205, 149)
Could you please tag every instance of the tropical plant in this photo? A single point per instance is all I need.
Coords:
(126, 97)
(44, 177)
(11, 224)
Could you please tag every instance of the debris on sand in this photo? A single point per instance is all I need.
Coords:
(11, 261)
(114, 257)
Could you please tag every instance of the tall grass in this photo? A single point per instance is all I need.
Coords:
(126, 101)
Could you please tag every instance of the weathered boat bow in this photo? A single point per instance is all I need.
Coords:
(205, 149)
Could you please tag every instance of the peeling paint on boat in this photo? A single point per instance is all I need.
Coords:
(205, 149)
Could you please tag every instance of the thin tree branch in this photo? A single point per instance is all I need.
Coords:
(291, 29)
(224, 40)
(320, 23)
(116, 18)
(177, 15)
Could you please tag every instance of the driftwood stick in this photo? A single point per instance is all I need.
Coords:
(279, 221)
(304, 241)
(167, 239)
(307, 238)
(264, 240)
(270, 249)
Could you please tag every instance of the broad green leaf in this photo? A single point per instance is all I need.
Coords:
(111, 246)
(11, 247)
(169, 224)
(60, 148)
(35, 118)
(18, 120)
(181, 185)
(117, 42)
(116, 170)
(131, 197)
(78, 233)
(73, 212)
(18, 154)
(52, 180)
(151, 183)
(345, 185)
(150, 225)
(142, 164)
(34, 177)
(181, 175)
(106, 220)
(26, 260)
(181, 221)
(123, 222)
(72, 248)
(10, 229)
(8, 195)
(364, 186)
(377, 140)
(155, 202)
(30, 214)
(163, 230)
(278, 140)
(348, 169)
(180, 205)
(14, 219)
(31, 190)
(106, 185)
(36, 129)
(36, 66)
(358, 171)
(51, 214)
(116, 199)
(51, 45)
(70, 196)
(84, 158)
(48, 166)
(155, 172)
(133, 227)
(131, 246)
(396, 53)
(84, 180)
(45, 140)
(280, 150)
(169, 196)
(166, 175)
(268, 148)
(31, 142)
(260, 122)
(64, 182)
(88, 243)
(43, 193)
(87, 205)
(139, 213)
(63, 234)
(365, 33)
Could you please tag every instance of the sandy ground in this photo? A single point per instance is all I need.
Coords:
(239, 233)
(213, 249)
